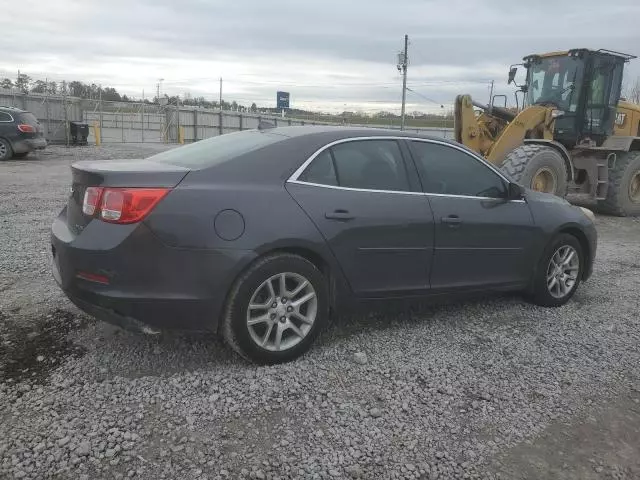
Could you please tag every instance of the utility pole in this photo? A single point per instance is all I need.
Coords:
(403, 62)
(220, 93)
(100, 104)
(160, 80)
(491, 94)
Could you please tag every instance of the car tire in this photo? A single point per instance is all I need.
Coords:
(6, 152)
(20, 155)
(257, 315)
(537, 167)
(558, 275)
(623, 194)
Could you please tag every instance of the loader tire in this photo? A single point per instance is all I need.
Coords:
(537, 167)
(623, 194)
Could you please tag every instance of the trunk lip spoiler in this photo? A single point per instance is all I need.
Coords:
(94, 166)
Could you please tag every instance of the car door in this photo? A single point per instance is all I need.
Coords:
(379, 228)
(481, 238)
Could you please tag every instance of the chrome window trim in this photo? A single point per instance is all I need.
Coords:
(294, 176)
(8, 121)
(352, 189)
(400, 192)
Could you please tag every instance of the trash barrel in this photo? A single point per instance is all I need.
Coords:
(78, 132)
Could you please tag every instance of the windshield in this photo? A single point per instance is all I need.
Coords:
(555, 80)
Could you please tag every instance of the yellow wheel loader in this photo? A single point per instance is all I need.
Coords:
(572, 135)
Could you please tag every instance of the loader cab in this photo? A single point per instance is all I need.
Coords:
(584, 85)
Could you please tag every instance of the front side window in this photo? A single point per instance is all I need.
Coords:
(362, 164)
(447, 170)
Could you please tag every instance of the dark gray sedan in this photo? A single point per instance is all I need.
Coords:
(260, 234)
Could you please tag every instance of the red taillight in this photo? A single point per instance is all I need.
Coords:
(121, 205)
(129, 205)
(91, 200)
(26, 128)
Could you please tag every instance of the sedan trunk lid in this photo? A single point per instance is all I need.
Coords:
(116, 173)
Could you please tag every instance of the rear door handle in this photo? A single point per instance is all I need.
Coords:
(340, 215)
(452, 220)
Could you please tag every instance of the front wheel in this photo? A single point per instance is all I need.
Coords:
(559, 272)
(537, 167)
(276, 309)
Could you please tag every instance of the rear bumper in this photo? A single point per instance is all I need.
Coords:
(25, 145)
(149, 286)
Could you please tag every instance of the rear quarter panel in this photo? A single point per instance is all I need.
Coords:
(255, 198)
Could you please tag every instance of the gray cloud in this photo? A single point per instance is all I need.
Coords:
(327, 53)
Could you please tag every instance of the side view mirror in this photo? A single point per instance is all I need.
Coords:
(514, 191)
(512, 74)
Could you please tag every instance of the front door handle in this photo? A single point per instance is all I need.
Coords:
(340, 215)
(452, 220)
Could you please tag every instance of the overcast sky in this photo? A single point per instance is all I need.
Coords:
(330, 54)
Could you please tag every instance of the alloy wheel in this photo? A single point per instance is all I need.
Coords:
(562, 272)
(282, 311)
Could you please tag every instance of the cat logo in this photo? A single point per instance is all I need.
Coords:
(620, 118)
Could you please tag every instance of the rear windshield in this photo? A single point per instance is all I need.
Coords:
(28, 118)
(216, 150)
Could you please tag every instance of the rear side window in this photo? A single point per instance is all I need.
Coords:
(5, 117)
(216, 150)
(28, 118)
(362, 164)
(447, 170)
(321, 170)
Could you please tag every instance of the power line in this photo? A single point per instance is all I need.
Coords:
(423, 96)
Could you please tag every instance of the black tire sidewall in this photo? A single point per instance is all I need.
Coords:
(627, 206)
(245, 289)
(9, 153)
(551, 159)
(542, 296)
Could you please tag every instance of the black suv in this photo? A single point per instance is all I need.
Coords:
(20, 133)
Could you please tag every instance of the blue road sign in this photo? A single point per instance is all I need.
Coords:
(282, 100)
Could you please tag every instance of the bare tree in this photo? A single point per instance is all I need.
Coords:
(634, 92)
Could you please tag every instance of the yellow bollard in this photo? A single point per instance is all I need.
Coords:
(181, 135)
(96, 133)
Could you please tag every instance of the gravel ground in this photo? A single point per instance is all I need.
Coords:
(491, 388)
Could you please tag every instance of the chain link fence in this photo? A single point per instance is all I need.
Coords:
(136, 122)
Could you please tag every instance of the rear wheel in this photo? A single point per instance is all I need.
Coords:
(537, 167)
(6, 152)
(559, 272)
(623, 194)
(276, 309)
